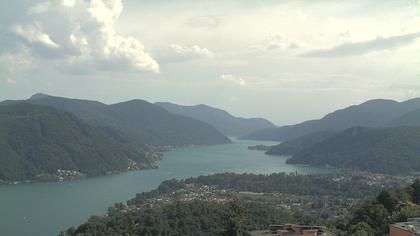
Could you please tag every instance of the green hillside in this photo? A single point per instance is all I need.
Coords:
(383, 150)
(291, 147)
(37, 141)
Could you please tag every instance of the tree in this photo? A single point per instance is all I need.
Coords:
(416, 191)
(361, 229)
(388, 200)
(372, 213)
(236, 219)
(405, 212)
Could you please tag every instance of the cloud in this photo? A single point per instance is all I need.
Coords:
(179, 53)
(68, 3)
(205, 22)
(234, 79)
(10, 81)
(12, 63)
(83, 34)
(358, 48)
(33, 35)
(95, 36)
(276, 41)
(39, 8)
(279, 41)
(193, 51)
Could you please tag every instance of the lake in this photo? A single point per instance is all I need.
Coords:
(43, 209)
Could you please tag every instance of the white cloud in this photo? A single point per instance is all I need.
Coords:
(39, 8)
(279, 41)
(106, 11)
(205, 22)
(179, 53)
(94, 35)
(85, 33)
(10, 81)
(358, 48)
(193, 51)
(68, 3)
(234, 79)
(33, 35)
(276, 41)
(79, 42)
(12, 63)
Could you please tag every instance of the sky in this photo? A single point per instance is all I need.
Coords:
(284, 60)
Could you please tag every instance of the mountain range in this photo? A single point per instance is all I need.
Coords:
(373, 113)
(138, 119)
(47, 137)
(226, 123)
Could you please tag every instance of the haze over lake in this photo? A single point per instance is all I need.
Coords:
(46, 208)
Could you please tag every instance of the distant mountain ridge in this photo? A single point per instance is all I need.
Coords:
(36, 142)
(373, 113)
(140, 120)
(223, 121)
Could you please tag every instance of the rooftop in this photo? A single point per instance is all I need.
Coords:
(412, 225)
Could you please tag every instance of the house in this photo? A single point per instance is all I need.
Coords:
(409, 228)
(295, 229)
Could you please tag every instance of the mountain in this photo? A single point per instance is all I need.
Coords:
(409, 119)
(382, 150)
(140, 120)
(373, 113)
(291, 147)
(223, 121)
(36, 142)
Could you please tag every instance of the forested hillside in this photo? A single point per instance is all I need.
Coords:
(36, 142)
(294, 146)
(383, 150)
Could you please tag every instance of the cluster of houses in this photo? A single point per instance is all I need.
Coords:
(190, 192)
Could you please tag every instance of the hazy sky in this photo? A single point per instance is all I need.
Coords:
(285, 60)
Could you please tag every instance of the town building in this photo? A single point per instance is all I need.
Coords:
(295, 229)
(409, 228)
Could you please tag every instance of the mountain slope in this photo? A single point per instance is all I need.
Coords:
(37, 141)
(291, 147)
(373, 113)
(223, 121)
(383, 150)
(409, 119)
(143, 121)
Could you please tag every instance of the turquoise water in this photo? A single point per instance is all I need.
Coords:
(43, 209)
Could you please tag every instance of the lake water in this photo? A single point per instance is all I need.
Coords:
(43, 209)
